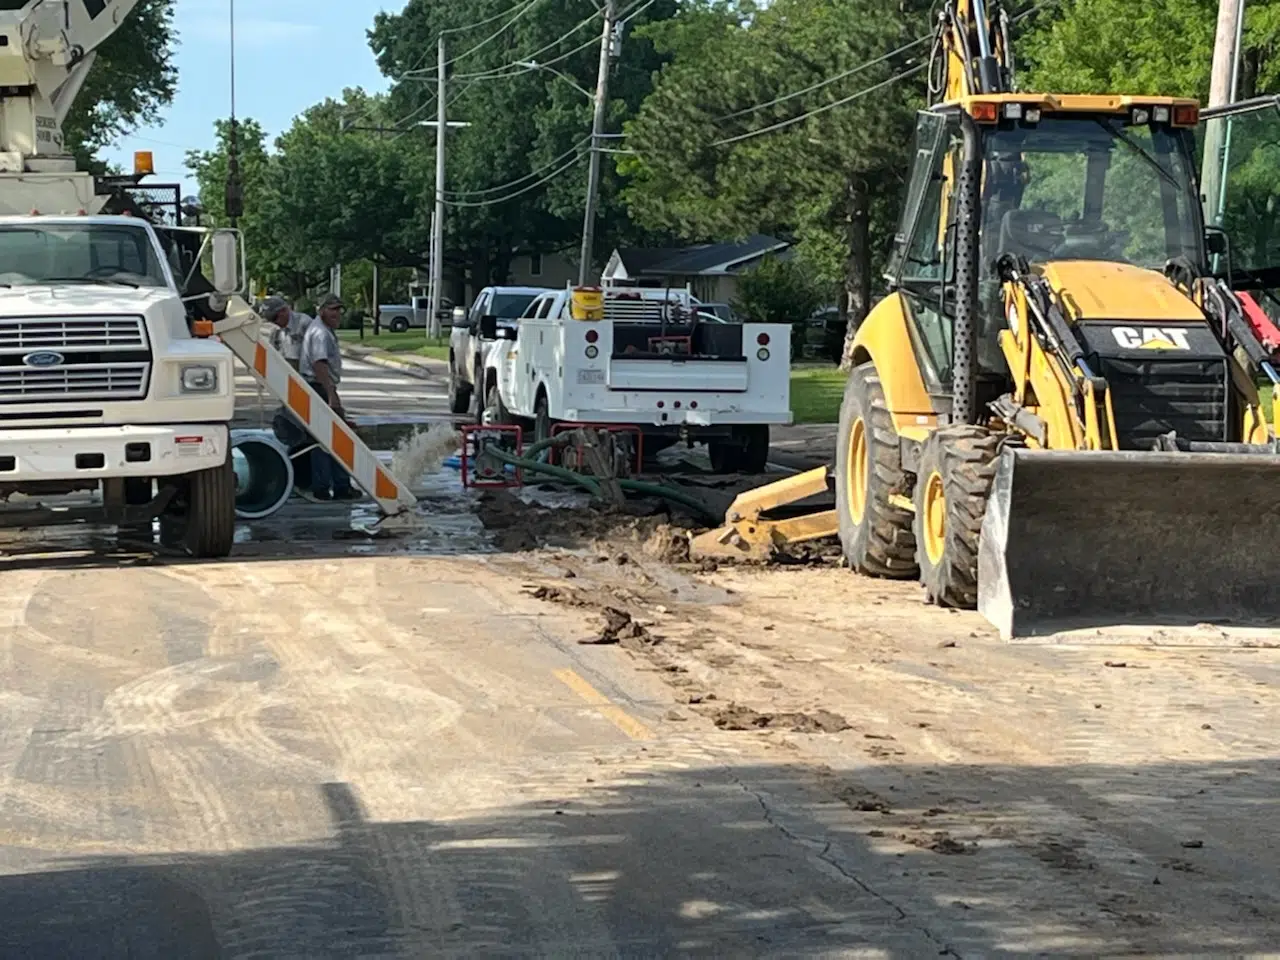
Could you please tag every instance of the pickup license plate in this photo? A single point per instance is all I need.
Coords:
(590, 376)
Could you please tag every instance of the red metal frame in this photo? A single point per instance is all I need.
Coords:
(471, 435)
(566, 427)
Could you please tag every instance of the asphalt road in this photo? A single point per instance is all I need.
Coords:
(337, 747)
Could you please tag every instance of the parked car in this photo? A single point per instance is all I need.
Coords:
(506, 304)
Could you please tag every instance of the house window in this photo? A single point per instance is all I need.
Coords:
(535, 264)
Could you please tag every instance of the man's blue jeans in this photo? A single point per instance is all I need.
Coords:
(326, 473)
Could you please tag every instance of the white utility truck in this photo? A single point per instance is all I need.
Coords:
(116, 352)
(647, 357)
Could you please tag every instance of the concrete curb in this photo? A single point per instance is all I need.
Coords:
(418, 371)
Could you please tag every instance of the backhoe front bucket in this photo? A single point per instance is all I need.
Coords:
(1096, 540)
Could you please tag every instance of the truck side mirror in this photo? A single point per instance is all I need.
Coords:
(226, 262)
(1215, 241)
(488, 327)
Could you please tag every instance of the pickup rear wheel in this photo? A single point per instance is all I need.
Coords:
(399, 325)
(495, 411)
(459, 392)
(745, 451)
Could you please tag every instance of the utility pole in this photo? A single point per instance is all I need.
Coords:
(1223, 88)
(437, 229)
(597, 129)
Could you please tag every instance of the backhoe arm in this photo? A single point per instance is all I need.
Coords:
(975, 41)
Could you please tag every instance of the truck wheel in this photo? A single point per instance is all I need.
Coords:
(876, 535)
(957, 467)
(459, 392)
(541, 419)
(495, 411)
(399, 325)
(725, 455)
(207, 527)
(753, 455)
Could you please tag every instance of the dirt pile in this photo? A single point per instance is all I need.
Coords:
(735, 716)
(520, 526)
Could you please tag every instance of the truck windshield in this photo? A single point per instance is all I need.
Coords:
(1091, 188)
(510, 306)
(32, 254)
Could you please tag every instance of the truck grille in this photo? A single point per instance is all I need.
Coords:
(93, 358)
(90, 381)
(1153, 398)
(72, 334)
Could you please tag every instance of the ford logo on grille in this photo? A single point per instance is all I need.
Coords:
(43, 358)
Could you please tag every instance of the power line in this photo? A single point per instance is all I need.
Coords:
(528, 176)
(514, 69)
(520, 12)
(496, 72)
(469, 27)
(519, 193)
(783, 124)
(827, 82)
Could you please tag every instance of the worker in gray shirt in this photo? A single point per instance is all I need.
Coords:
(290, 326)
(320, 364)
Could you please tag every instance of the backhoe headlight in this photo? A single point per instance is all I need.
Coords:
(199, 378)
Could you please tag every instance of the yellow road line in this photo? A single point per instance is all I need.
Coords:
(628, 724)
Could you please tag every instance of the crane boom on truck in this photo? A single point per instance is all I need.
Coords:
(1054, 413)
(116, 369)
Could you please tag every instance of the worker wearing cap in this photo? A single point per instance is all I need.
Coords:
(290, 326)
(320, 364)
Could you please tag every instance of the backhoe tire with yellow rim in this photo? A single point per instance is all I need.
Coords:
(957, 467)
(876, 535)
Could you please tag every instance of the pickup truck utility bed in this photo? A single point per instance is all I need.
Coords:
(647, 357)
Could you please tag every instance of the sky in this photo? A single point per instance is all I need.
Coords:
(289, 55)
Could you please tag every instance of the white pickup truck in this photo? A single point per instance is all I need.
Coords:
(645, 357)
(105, 387)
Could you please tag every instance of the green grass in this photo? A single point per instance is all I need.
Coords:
(411, 341)
(816, 393)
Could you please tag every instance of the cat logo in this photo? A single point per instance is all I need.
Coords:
(1152, 338)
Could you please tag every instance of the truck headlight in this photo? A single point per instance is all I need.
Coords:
(199, 379)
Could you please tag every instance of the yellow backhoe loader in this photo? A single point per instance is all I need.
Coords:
(1054, 415)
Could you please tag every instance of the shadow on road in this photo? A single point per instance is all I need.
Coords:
(723, 861)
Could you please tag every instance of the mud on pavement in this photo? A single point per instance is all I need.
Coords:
(1032, 782)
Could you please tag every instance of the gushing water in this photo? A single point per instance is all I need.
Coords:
(424, 452)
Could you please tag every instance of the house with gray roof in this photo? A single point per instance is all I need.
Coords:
(710, 269)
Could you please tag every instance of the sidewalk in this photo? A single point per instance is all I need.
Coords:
(410, 364)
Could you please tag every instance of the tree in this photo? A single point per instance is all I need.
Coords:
(1114, 46)
(706, 166)
(132, 79)
(262, 238)
(512, 177)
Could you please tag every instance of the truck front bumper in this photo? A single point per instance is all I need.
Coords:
(86, 453)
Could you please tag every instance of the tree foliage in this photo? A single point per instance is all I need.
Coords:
(780, 291)
(526, 124)
(829, 176)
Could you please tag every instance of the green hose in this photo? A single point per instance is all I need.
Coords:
(591, 486)
(699, 509)
(551, 470)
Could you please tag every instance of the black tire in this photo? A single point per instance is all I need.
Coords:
(541, 418)
(399, 325)
(961, 462)
(495, 411)
(206, 526)
(459, 392)
(725, 455)
(878, 538)
(753, 452)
